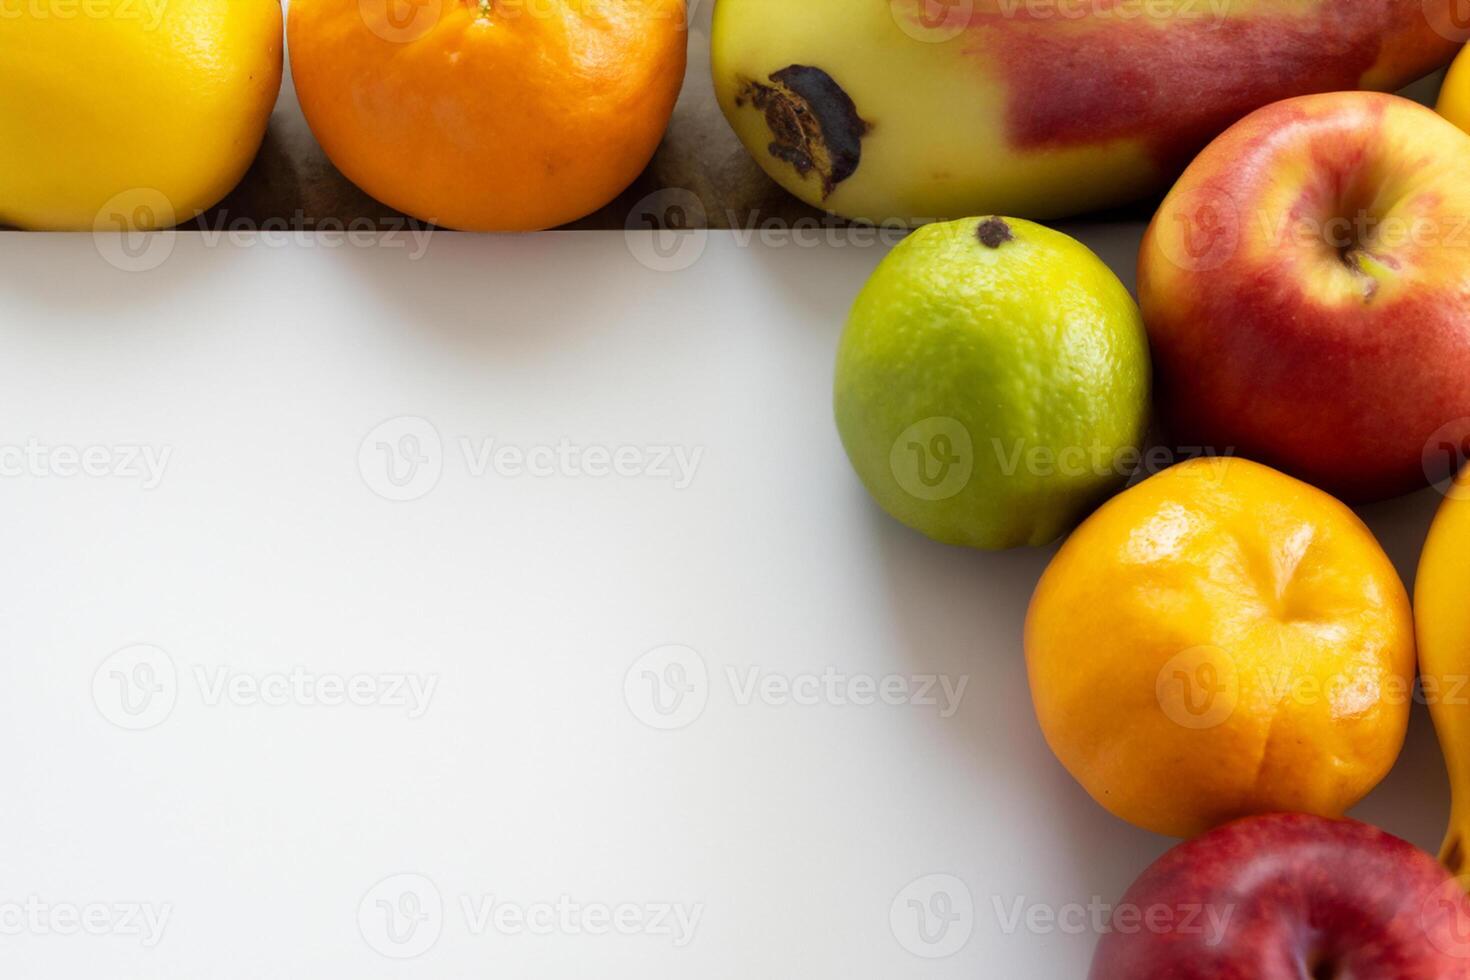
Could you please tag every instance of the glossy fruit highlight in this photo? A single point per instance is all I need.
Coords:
(1218, 641)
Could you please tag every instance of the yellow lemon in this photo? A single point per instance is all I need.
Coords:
(130, 113)
(1218, 641)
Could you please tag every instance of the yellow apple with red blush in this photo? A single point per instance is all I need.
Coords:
(1306, 287)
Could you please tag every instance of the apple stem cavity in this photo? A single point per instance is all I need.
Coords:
(1323, 969)
(1370, 269)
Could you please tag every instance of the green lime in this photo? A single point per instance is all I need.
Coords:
(993, 383)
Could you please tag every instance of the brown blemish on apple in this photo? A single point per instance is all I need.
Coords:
(814, 124)
(994, 232)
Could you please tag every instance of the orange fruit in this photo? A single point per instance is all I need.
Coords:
(1219, 641)
(489, 115)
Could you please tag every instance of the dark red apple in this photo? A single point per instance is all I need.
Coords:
(1290, 897)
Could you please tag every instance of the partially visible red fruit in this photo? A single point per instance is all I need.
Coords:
(1290, 897)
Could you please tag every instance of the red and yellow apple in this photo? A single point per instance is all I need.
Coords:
(926, 109)
(1306, 287)
(1290, 897)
